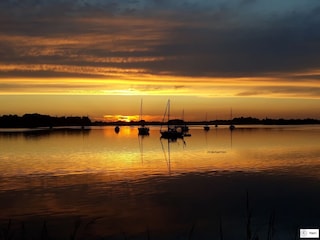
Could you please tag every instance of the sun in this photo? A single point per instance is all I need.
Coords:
(121, 118)
(128, 118)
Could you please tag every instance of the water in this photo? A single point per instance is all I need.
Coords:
(96, 183)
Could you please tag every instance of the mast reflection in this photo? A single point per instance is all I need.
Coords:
(167, 155)
(140, 140)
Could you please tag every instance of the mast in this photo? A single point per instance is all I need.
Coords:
(168, 112)
(141, 110)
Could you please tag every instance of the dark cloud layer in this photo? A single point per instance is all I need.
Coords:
(185, 38)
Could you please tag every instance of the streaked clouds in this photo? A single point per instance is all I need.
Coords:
(187, 47)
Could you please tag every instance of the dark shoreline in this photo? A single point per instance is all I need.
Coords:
(40, 121)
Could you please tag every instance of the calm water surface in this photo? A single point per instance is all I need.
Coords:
(97, 183)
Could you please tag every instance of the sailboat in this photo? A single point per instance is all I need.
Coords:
(171, 132)
(184, 128)
(206, 127)
(143, 130)
(231, 127)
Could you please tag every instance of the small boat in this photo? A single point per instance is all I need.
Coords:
(117, 129)
(206, 127)
(171, 132)
(143, 130)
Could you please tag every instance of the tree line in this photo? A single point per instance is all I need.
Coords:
(266, 121)
(38, 120)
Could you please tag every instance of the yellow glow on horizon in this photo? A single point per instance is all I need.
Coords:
(134, 83)
(122, 118)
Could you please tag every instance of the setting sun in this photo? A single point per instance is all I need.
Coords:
(114, 118)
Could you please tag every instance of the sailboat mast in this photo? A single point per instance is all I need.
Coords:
(168, 112)
(140, 110)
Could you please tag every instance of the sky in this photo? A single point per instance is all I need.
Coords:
(101, 57)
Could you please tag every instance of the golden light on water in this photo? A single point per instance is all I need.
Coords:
(126, 154)
(101, 173)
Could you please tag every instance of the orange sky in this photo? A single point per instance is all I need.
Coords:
(101, 59)
(127, 107)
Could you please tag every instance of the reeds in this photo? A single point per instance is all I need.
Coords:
(191, 231)
(80, 227)
(220, 228)
(6, 231)
(249, 215)
(44, 231)
(10, 232)
(271, 229)
(249, 230)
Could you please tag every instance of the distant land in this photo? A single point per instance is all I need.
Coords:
(35, 120)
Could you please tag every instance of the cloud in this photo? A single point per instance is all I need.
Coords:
(213, 39)
(283, 91)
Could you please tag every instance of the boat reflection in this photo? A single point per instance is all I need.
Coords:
(140, 139)
(231, 132)
(167, 154)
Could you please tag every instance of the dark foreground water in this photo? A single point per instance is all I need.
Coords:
(70, 184)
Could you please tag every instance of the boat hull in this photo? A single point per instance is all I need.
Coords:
(171, 134)
(143, 131)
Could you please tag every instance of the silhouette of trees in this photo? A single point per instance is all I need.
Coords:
(38, 120)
